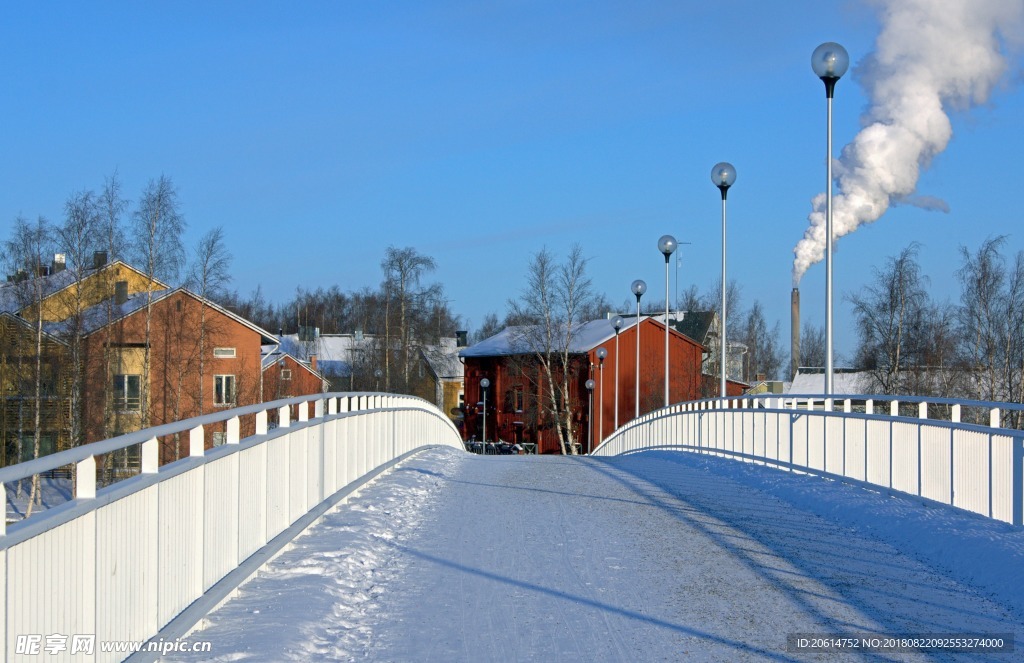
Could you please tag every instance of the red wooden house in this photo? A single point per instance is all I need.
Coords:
(284, 376)
(200, 358)
(516, 393)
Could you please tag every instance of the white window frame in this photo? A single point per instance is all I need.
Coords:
(225, 391)
(286, 374)
(224, 353)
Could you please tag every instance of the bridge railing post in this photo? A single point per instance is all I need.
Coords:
(196, 442)
(150, 456)
(85, 478)
(1018, 481)
(232, 430)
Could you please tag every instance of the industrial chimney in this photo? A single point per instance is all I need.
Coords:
(794, 320)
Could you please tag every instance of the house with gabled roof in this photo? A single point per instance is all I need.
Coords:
(187, 369)
(285, 376)
(515, 408)
(67, 291)
(445, 377)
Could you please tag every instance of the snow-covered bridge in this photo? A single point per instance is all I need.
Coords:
(645, 553)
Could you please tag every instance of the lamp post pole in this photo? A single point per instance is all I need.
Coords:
(667, 246)
(723, 175)
(601, 355)
(590, 416)
(829, 62)
(617, 324)
(639, 287)
(484, 383)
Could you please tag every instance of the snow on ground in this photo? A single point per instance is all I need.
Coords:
(52, 492)
(653, 556)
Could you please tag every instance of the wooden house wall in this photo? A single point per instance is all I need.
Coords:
(174, 372)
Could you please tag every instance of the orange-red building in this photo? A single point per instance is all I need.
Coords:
(516, 392)
(200, 358)
(284, 376)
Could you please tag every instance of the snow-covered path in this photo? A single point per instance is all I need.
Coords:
(655, 556)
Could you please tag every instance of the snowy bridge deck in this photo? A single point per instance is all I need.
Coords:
(651, 556)
(714, 528)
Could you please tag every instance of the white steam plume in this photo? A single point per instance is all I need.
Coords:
(930, 55)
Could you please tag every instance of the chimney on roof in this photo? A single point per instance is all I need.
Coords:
(120, 292)
(99, 259)
(312, 361)
(461, 338)
(59, 263)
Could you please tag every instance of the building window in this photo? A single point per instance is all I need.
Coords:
(224, 353)
(128, 393)
(223, 390)
(286, 374)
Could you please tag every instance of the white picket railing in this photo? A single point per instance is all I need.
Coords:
(121, 562)
(979, 468)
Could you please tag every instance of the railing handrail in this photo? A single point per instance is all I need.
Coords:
(1003, 405)
(670, 410)
(74, 455)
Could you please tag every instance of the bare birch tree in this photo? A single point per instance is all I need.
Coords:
(112, 207)
(991, 319)
(764, 354)
(157, 226)
(404, 270)
(25, 250)
(550, 306)
(78, 236)
(890, 313)
(208, 277)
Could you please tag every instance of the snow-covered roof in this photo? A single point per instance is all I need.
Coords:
(516, 340)
(444, 360)
(844, 381)
(95, 317)
(10, 300)
(54, 283)
(333, 351)
(338, 354)
(271, 354)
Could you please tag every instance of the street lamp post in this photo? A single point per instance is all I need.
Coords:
(602, 354)
(590, 415)
(639, 287)
(723, 175)
(617, 322)
(376, 382)
(667, 246)
(484, 383)
(829, 62)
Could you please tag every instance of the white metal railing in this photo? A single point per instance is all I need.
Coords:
(857, 438)
(120, 562)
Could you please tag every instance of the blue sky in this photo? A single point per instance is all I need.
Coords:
(318, 134)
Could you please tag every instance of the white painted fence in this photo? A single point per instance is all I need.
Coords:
(121, 562)
(969, 466)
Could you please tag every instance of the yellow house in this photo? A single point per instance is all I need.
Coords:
(68, 294)
(18, 391)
